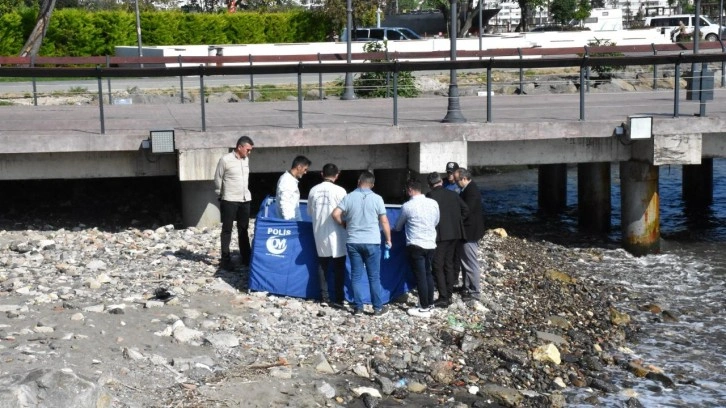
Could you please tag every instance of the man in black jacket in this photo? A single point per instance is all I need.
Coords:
(474, 231)
(449, 233)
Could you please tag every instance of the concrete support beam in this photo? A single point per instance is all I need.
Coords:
(199, 204)
(427, 157)
(79, 165)
(697, 184)
(552, 188)
(593, 197)
(547, 151)
(640, 207)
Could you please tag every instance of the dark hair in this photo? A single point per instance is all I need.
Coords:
(464, 173)
(330, 170)
(243, 140)
(300, 161)
(433, 178)
(367, 177)
(414, 185)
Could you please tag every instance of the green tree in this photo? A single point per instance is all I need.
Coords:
(563, 10)
(583, 10)
(525, 6)
(364, 13)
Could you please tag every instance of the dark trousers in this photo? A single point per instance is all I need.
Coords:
(338, 278)
(444, 267)
(232, 211)
(420, 260)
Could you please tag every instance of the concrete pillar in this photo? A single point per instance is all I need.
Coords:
(698, 183)
(552, 188)
(593, 196)
(200, 207)
(427, 157)
(640, 207)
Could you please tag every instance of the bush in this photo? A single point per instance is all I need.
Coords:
(78, 32)
(605, 70)
(380, 84)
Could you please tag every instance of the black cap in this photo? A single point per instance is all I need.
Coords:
(451, 167)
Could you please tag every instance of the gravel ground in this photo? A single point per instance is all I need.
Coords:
(144, 318)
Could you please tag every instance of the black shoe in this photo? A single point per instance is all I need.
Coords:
(442, 303)
(357, 312)
(337, 305)
(226, 264)
(381, 312)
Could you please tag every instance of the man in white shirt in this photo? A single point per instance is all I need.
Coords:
(287, 194)
(231, 182)
(329, 236)
(419, 216)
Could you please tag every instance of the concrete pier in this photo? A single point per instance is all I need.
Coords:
(697, 184)
(552, 188)
(593, 197)
(640, 207)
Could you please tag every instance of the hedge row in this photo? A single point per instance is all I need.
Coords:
(76, 32)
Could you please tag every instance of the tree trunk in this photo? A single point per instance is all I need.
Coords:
(32, 45)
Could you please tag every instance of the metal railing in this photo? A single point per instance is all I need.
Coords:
(582, 59)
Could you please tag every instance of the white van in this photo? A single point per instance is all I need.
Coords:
(709, 30)
(602, 19)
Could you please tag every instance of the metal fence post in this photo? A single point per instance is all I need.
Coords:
(108, 80)
(521, 73)
(299, 96)
(201, 96)
(723, 63)
(320, 80)
(655, 69)
(587, 71)
(252, 83)
(582, 86)
(181, 79)
(395, 93)
(388, 77)
(35, 85)
(489, 91)
(100, 100)
(676, 86)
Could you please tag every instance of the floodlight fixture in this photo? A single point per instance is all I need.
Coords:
(162, 141)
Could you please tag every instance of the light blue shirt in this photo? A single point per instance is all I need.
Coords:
(420, 215)
(361, 209)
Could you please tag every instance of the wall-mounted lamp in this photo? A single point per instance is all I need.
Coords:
(162, 141)
(639, 127)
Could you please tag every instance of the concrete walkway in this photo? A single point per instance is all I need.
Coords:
(334, 122)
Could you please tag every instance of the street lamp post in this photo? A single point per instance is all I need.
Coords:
(453, 112)
(138, 30)
(348, 93)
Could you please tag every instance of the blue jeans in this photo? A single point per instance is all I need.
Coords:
(365, 258)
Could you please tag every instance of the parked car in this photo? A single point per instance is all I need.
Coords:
(667, 25)
(381, 34)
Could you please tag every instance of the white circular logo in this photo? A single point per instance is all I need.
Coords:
(276, 245)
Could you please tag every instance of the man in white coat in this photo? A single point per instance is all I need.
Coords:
(330, 236)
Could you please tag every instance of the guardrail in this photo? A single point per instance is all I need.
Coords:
(583, 59)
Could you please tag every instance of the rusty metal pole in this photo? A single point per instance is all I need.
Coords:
(640, 213)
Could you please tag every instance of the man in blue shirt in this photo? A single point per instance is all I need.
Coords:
(420, 215)
(450, 182)
(363, 215)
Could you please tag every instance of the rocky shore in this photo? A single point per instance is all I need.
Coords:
(137, 317)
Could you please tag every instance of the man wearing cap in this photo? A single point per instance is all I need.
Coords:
(450, 183)
(474, 230)
(449, 232)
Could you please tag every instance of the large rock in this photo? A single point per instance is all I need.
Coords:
(51, 388)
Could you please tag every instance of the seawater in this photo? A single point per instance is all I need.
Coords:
(686, 278)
